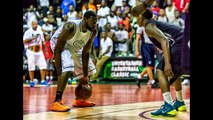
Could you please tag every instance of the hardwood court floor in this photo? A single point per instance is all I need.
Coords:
(113, 102)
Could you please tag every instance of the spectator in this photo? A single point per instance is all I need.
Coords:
(125, 7)
(162, 16)
(182, 6)
(91, 5)
(48, 54)
(31, 15)
(178, 21)
(113, 19)
(106, 47)
(122, 35)
(154, 7)
(51, 10)
(46, 27)
(58, 16)
(102, 13)
(170, 10)
(65, 6)
(44, 4)
(86, 7)
(34, 38)
(72, 14)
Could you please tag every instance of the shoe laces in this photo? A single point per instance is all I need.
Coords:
(163, 108)
(61, 103)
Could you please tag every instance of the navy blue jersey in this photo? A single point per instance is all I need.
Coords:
(174, 33)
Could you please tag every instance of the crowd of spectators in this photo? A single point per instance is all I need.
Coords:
(114, 17)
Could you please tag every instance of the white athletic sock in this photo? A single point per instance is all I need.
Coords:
(139, 76)
(167, 97)
(47, 77)
(152, 81)
(179, 95)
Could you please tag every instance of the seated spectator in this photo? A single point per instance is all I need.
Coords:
(106, 47)
(178, 21)
(162, 16)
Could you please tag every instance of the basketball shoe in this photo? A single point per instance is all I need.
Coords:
(59, 107)
(179, 106)
(32, 84)
(44, 83)
(138, 81)
(82, 103)
(165, 110)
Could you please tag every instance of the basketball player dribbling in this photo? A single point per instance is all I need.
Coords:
(75, 38)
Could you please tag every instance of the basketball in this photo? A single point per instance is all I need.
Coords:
(83, 91)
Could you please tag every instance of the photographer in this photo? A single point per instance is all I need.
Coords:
(31, 15)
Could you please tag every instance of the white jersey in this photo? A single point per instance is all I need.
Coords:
(77, 42)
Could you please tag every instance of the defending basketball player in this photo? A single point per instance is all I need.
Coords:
(77, 36)
(169, 39)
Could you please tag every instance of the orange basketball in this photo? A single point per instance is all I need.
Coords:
(83, 91)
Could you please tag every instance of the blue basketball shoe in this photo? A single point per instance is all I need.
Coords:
(45, 83)
(165, 110)
(32, 84)
(179, 106)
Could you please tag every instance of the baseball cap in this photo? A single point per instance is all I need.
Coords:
(45, 19)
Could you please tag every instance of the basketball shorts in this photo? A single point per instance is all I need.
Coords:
(175, 52)
(148, 53)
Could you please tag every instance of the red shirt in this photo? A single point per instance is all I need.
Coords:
(157, 9)
(50, 53)
(180, 4)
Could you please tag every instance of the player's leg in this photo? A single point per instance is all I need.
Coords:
(140, 76)
(177, 70)
(179, 103)
(67, 68)
(167, 109)
(150, 75)
(79, 73)
(149, 53)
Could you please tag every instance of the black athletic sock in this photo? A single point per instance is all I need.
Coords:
(58, 96)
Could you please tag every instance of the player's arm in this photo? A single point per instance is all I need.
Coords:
(67, 33)
(138, 38)
(94, 52)
(85, 57)
(140, 8)
(154, 32)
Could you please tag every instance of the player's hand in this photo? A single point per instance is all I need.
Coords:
(168, 70)
(84, 80)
